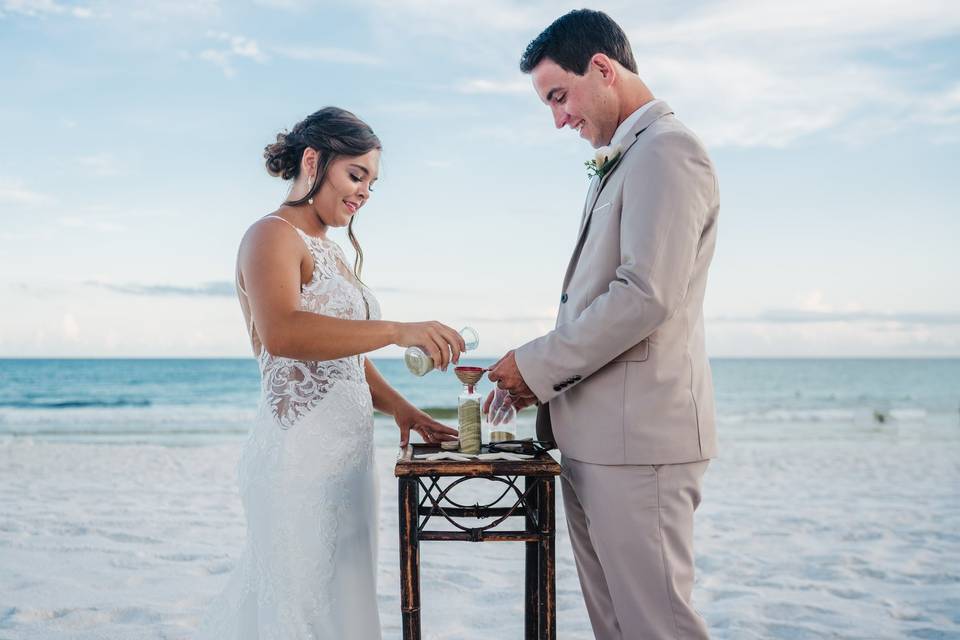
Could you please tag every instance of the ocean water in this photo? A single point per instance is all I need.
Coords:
(182, 402)
(832, 511)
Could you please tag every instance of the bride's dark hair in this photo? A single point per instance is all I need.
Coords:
(332, 132)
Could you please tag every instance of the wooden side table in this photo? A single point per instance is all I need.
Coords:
(422, 498)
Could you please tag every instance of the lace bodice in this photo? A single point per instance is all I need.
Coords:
(291, 388)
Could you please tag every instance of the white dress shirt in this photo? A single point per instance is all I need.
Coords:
(628, 123)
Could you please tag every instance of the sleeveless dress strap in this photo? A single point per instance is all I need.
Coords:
(295, 228)
(251, 328)
(304, 236)
(237, 276)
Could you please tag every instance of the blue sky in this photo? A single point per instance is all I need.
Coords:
(131, 165)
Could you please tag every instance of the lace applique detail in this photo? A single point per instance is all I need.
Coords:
(292, 388)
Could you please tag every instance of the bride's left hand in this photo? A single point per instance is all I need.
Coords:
(409, 418)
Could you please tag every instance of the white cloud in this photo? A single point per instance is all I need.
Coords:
(479, 85)
(813, 301)
(70, 327)
(324, 54)
(85, 322)
(741, 100)
(887, 320)
(88, 224)
(811, 307)
(217, 289)
(116, 10)
(941, 108)
(411, 108)
(240, 46)
(220, 59)
(835, 24)
(748, 73)
(831, 339)
(101, 165)
(288, 5)
(815, 327)
(534, 131)
(13, 192)
(166, 10)
(237, 46)
(745, 73)
(453, 18)
(41, 8)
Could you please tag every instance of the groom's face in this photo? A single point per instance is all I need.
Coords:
(582, 103)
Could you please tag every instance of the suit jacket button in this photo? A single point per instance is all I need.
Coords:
(557, 387)
(563, 299)
(576, 378)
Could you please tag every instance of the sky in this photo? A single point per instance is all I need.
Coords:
(131, 165)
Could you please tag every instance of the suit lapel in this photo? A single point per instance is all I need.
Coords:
(587, 206)
(588, 203)
(653, 114)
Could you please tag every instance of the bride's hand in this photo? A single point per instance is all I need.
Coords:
(409, 418)
(441, 343)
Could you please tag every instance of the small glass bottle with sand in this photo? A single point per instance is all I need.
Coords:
(468, 409)
(419, 362)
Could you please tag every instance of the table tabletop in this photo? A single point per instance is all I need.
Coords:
(542, 464)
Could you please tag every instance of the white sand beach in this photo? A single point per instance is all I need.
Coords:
(812, 536)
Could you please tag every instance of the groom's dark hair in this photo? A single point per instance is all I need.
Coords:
(574, 38)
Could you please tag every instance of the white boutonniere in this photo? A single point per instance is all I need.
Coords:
(603, 161)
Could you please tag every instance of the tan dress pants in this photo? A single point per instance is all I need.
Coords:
(631, 527)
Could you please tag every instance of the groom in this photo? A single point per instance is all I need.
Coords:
(623, 383)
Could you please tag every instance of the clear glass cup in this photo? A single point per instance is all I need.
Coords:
(501, 423)
(419, 362)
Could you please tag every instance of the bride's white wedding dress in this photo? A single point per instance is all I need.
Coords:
(309, 487)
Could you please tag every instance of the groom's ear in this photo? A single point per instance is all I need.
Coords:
(604, 66)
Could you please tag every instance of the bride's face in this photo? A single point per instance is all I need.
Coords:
(346, 187)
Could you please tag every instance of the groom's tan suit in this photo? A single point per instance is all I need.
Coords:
(625, 384)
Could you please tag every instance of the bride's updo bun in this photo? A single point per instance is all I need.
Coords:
(283, 161)
(331, 131)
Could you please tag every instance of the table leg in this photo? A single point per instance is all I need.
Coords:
(547, 557)
(409, 499)
(531, 592)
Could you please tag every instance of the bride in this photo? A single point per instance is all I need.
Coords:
(307, 476)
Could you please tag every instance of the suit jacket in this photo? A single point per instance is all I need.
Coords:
(624, 377)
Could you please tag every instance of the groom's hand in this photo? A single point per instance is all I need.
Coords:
(507, 376)
(499, 404)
